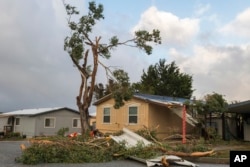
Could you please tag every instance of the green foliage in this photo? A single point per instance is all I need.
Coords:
(214, 103)
(64, 150)
(212, 133)
(13, 135)
(62, 131)
(147, 133)
(142, 37)
(119, 87)
(165, 79)
(189, 148)
(141, 151)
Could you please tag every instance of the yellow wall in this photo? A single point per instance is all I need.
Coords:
(164, 118)
(92, 121)
(119, 117)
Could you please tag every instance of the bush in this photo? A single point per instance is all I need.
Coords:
(62, 131)
(13, 135)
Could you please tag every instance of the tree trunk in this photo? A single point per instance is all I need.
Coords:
(84, 118)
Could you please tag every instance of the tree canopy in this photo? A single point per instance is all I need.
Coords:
(211, 103)
(165, 79)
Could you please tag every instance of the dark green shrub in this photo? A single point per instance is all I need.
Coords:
(13, 135)
(62, 131)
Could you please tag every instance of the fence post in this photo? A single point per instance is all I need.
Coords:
(184, 116)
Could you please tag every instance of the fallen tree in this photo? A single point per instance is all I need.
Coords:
(83, 150)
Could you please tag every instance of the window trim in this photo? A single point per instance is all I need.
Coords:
(106, 115)
(78, 121)
(54, 118)
(19, 121)
(137, 115)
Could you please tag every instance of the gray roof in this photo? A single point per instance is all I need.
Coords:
(36, 111)
(162, 99)
(241, 108)
(165, 100)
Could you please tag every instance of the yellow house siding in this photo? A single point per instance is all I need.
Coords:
(119, 118)
(164, 117)
(168, 122)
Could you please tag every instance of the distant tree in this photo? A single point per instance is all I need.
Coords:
(79, 45)
(165, 79)
(211, 104)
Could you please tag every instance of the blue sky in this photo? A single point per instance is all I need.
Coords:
(207, 39)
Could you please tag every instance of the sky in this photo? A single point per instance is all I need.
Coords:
(207, 39)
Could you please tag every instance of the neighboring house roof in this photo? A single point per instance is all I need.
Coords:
(38, 111)
(241, 108)
(161, 100)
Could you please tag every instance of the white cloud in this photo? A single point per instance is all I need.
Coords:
(220, 69)
(174, 30)
(239, 26)
(202, 8)
(35, 71)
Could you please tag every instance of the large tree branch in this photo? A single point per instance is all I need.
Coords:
(83, 71)
(81, 90)
(93, 75)
(108, 71)
(121, 43)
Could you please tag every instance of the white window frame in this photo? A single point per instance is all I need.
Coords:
(50, 119)
(106, 115)
(137, 115)
(78, 123)
(19, 122)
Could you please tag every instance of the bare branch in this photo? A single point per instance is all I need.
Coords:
(108, 71)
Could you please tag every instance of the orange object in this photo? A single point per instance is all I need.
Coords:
(92, 134)
(73, 134)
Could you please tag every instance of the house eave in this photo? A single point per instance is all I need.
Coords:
(240, 108)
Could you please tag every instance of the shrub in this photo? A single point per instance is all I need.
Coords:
(62, 131)
(13, 135)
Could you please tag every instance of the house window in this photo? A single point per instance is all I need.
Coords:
(49, 122)
(17, 121)
(76, 123)
(133, 115)
(106, 115)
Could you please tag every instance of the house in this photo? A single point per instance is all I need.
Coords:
(242, 119)
(141, 111)
(40, 122)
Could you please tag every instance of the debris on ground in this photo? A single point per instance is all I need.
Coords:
(131, 139)
(102, 149)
